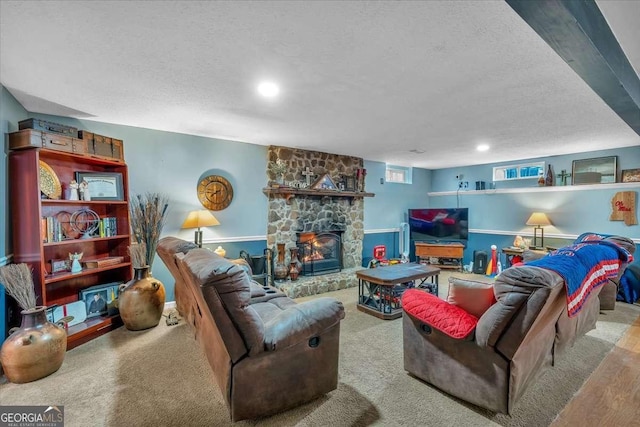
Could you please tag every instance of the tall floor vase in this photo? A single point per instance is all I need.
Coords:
(141, 301)
(35, 349)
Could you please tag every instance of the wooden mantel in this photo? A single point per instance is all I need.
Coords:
(289, 192)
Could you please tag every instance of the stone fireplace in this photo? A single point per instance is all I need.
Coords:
(292, 217)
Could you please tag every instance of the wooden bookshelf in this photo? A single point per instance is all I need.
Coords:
(29, 206)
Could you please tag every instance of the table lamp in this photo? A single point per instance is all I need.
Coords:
(538, 219)
(197, 219)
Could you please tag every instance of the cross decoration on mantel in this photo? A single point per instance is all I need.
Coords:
(563, 175)
(308, 174)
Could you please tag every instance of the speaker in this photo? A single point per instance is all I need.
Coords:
(479, 262)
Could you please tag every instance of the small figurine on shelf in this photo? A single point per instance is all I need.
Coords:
(84, 191)
(75, 262)
(73, 190)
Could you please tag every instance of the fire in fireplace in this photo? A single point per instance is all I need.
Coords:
(320, 253)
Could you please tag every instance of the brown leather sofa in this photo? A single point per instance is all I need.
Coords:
(512, 344)
(169, 246)
(267, 353)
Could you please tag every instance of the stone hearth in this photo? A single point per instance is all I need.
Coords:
(312, 285)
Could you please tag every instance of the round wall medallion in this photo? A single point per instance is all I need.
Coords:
(215, 192)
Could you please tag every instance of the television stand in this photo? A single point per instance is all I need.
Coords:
(452, 252)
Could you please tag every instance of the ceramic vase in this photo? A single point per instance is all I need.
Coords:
(141, 301)
(280, 270)
(294, 272)
(295, 259)
(35, 349)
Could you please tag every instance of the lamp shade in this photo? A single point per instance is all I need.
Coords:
(201, 218)
(538, 218)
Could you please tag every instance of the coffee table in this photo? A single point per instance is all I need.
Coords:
(380, 289)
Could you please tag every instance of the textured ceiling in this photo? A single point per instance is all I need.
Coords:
(370, 79)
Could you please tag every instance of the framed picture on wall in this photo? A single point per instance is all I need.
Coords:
(631, 175)
(600, 170)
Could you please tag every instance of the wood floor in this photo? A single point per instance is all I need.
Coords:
(611, 395)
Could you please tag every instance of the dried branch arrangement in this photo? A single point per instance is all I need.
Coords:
(138, 254)
(148, 215)
(18, 282)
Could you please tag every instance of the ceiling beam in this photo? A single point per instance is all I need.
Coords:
(579, 33)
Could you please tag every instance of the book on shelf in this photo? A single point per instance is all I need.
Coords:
(51, 230)
(108, 227)
(103, 262)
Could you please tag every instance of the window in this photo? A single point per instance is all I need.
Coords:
(522, 171)
(398, 174)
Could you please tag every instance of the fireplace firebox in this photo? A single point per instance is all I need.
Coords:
(320, 253)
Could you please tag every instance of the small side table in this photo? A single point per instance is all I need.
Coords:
(510, 253)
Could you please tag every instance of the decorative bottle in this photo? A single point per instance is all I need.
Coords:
(549, 180)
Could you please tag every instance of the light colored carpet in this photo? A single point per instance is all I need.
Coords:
(160, 377)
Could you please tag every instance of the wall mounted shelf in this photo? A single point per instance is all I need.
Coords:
(289, 192)
(587, 187)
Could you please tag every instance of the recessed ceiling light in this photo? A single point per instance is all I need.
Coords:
(268, 89)
(482, 147)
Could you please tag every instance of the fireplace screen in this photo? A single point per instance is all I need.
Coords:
(320, 253)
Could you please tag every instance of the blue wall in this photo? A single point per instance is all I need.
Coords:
(444, 179)
(392, 200)
(11, 112)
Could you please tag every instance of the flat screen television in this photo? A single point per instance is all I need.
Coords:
(437, 225)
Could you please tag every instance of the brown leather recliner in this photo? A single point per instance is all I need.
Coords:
(266, 355)
(513, 342)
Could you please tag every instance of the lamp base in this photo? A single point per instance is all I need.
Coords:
(198, 237)
(535, 237)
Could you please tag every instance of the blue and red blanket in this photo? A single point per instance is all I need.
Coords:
(584, 267)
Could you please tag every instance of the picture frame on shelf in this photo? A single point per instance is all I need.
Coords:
(599, 170)
(631, 175)
(60, 265)
(349, 183)
(103, 185)
(109, 291)
(95, 301)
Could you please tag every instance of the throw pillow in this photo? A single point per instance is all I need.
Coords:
(431, 310)
(473, 297)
